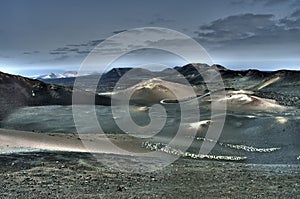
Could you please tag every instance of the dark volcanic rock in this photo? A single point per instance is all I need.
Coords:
(219, 67)
(282, 99)
(192, 69)
(116, 73)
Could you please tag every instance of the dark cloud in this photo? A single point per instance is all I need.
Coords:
(160, 20)
(85, 48)
(291, 23)
(80, 49)
(58, 53)
(271, 2)
(94, 43)
(65, 49)
(31, 52)
(61, 49)
(237, 2)
(293, 3)
(77, 45)
(296, 13)
(91, 43)
(236, 27)
(83, 52)
(266, 3)
(259, 34)
(118, 31)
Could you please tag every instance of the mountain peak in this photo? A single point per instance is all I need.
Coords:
(67, 74)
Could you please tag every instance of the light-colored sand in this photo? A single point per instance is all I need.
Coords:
(199, 124)
(246, 102)
(22, 139)
(268, 82)
(95, 143)
(139, 108)
(155, 90)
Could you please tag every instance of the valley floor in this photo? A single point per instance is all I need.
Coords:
(79, 175)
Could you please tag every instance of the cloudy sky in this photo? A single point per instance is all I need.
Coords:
(41, 36)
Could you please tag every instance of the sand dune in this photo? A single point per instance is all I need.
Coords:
(154, 90)
(244, 102)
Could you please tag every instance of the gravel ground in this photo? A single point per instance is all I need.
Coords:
(79, 175)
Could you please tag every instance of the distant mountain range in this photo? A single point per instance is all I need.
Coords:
(270, 84)
(17, 91)
(250, 79)
(67, 74)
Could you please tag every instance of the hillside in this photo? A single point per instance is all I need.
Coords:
(17, 91)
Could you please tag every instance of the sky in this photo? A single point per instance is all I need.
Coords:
(42, 36)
